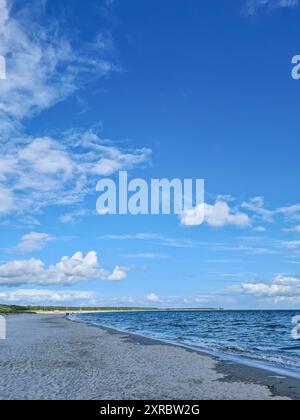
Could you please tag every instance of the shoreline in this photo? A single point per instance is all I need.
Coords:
(218, 356)
(100, 311)
(49, 357)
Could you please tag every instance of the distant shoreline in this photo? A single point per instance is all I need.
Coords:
(78, 311)
(12, 309)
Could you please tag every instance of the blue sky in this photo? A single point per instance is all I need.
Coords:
(177, 90)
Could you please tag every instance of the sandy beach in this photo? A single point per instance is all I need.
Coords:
(48, 357)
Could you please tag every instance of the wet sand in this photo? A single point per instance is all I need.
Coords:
(48, 357)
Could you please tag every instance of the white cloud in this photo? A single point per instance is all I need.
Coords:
(295, 229)
(290, 212)
(45, 156)
(226, 197)
(75, 215)
(119, 274)
(291, 244)
(217, 215)
(254, 6)
(155, 238)
(34, 241)
(36, 297)
(44, 172)
(260, 229)
(153, 298)
(43, 68)
(6, 199)
(147, 255)
(282, 288)
(257, 205)
(69, 271)
(194, 216)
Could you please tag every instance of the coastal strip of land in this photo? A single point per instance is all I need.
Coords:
(13, 309)
(48, 357)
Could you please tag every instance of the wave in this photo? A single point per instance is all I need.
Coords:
(248, 339)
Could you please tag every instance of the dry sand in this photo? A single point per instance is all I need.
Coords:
(49, 357)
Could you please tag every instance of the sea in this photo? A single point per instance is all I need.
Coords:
(256, 338)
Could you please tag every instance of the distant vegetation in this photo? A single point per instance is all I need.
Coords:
(13, 309)
(108, 308)
(83, 309)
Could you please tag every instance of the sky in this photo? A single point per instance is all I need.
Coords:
(173, 89)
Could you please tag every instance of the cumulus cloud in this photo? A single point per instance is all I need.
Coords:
(254, 6)
(34, 241)
(217, 215)
(280, 289)
(36, 296)
(153, 298)
(119, 274)
(69, 271)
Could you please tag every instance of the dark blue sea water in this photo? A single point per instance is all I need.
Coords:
(259, 338)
